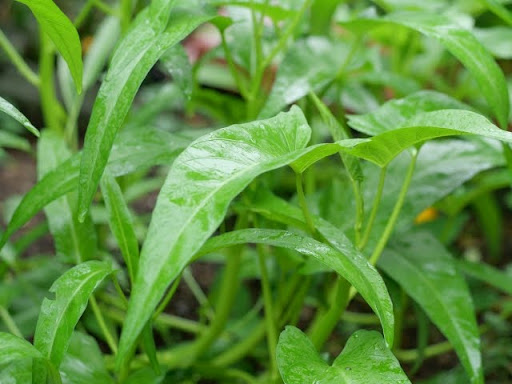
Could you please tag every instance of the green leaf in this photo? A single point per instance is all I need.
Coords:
(488, 274)
(309, 65)
(121, 222)
(176, 62)
(74, 242)
(495, 40)
(59, 317)
(132, 151)
(11, 110)
(395, 113)
(10, 140)
(462, 44)
(427, 272)
(83, 362)
(365, 359)
(18, 372)
(194, 199)
(383, 148)
(342, 257)
(136, 54)
(63, 34)
(14, 348)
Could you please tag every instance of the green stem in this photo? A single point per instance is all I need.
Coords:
(103, 326)
(126, 14)
(325, 322)
(253, 99)
(18, 61)
(84, 13)
(303, 203)
(232, 67)
(51, 108)
(227, 292)
(198, 293)
(167, 298)
(375, 208)
(269, 314)
(390, 226)
(9, 322)
(359, 210)
(411, 355)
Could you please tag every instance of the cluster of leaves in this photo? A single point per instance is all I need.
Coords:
(264, 197)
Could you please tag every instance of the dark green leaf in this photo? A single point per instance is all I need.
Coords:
(59, 317)
(365, 359)
(63, 34)
(427, 272)
(135, 55)
(194, 199)
(11, 110)
(462, 44)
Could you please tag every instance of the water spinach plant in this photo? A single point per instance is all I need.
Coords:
(317, 165)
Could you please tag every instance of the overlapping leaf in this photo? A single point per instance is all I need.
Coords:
(74, 241)
(342, 258)
(63, 34)
(136, 54)
(365, 359)
(132, 151)
(462, 44)
(59, 317)
(12, 111)
(427, 272)
(194, 199)
(14, 348)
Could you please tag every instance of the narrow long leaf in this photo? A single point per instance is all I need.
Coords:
(344, 259)
(136, 54)
(63, 34)
(74, 241)
(365, 359)
(121, 223)
(194, 199)
(133, 150)
(11, 110)
(394, 113)
(15, 348)
(59, 317)
(488, 274)
(427, 272)
(462, 44)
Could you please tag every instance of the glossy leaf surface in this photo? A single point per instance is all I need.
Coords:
(133, 150)
(427, 272)
(83, 362)
(12, 111)
(121, 222)
(395, 113)
(14, 348)
(135, 55)
(194, 199)
(63, 34)
(342, 257)
(462, 44)
(59, 317)
(365, 359)
(383, 148)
